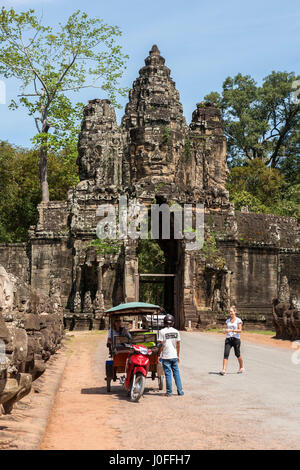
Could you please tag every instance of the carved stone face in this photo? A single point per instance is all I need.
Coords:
(152, 157)
(42, 307)
(55, 287)
(6, 292)
(24, 305)
(23, 300)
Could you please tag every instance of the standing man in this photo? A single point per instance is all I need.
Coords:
(117, 330)
(170, 339)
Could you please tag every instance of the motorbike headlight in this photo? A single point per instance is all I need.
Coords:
(144, 351)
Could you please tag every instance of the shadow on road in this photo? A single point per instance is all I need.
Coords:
(94, 391)
(218, 373)
(119, 393)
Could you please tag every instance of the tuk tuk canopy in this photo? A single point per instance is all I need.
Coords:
(134, 308)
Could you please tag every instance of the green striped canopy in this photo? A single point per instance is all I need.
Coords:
(133, 308)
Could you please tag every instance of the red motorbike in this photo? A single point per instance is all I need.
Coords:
(137, 367)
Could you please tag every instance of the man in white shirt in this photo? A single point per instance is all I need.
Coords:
(170, 339)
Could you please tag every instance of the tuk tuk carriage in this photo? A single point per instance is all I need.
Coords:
(137, 357)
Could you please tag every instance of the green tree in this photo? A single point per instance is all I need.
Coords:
(264, 190)
(151, 259)
(20, 190)
(290, 167)
(289, 204)
(50, 63)
(261, 122)
(262, 182)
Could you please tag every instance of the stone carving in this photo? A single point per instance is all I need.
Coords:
(88, 305)
(99, 319)
(286, 314)
(31, 329)
(77, 303)
(284, 294)
(98, 303)
(283, 315)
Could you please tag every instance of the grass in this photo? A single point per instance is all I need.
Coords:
(69, 339)
(91, 332)
(260, 332)
(98, 332)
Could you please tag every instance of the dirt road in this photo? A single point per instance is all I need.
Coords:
(256, 410)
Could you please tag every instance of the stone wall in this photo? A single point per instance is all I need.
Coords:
(259, 249)
(31, 330)
(15, 257)
(52, 259)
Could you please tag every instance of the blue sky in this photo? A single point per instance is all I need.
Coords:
(203, 43)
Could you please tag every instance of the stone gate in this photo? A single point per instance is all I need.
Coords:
(154, 155)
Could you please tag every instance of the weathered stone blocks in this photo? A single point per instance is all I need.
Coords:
(31, 329)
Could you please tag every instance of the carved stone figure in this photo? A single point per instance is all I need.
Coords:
(77, 303)
(87, 306)
(31, 329)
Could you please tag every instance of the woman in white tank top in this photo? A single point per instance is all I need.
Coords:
(233, 330)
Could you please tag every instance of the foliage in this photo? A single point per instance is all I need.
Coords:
(20, 191)
(212, 254)
(50, 63)
(150, 256)
(261, 182)
(166, 136)
(261, 122)
(264, 189)
(105, 246)
(159, 186)
(245, 199)
(289, 205)
(290, 168)
(151, 259)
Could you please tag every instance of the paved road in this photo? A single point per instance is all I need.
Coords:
(267, 394)
(259, 409)
(255, 410)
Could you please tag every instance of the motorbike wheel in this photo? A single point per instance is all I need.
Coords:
(161, 382)
(138, 389)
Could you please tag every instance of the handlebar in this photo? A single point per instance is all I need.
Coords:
(129, 346)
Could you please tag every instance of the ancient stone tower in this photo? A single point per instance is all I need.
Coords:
(155, 155)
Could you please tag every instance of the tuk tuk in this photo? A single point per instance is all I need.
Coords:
(141, 341)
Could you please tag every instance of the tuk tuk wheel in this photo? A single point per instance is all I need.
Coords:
(161, 382)
(109, 376)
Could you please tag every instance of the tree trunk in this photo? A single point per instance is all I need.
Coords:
(44, 168)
